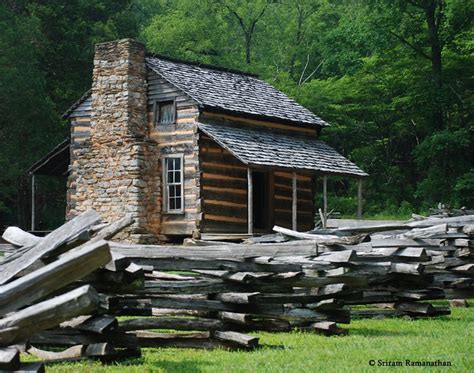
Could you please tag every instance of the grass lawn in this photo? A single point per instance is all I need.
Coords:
(448, 338)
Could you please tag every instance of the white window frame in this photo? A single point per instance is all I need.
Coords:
(166, 184)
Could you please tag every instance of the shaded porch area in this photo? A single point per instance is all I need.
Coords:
(253, 179)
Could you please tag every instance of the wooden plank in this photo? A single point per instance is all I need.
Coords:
(54, 276)
(47, 314)
(19, 237)
(237, 338)
(294, 214)
(16, 263)
(236, 298)
(111, 230)
(303, 248)
(359, 199)
(325, 239)
(189, 340)
(325, 202)
(75, 353)
(123, 304)
(9, 359)
(174, 323)
(249, 201)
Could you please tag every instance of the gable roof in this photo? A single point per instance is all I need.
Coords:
(233, 92)
(264, 148)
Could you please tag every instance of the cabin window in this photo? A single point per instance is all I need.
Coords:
(173, 184)
(165, 112)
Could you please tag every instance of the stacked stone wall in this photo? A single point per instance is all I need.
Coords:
(116, 170)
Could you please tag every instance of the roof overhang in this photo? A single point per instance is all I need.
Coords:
(55, 163)
(263, 148)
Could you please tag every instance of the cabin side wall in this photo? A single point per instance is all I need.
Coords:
(223, 189)
(224, 183)
(179, 138)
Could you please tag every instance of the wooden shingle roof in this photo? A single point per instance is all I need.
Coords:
(265, 148)
(232, 92)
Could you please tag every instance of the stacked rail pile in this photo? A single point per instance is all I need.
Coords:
(41, 287)
(421, 260)
(67, 289)
(53, 293)
(303, 283)
(248, 289)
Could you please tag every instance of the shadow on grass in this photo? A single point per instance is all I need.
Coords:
(369, 332)
(188, 366)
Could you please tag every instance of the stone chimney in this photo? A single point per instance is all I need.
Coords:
(111, 173)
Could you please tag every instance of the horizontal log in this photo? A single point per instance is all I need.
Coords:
(70, 337)
(9, 359)
(15, 263)
(70, 267)
(189, 340)
(47, 314)
(215, 252)
(237, 338)
(122, 305)
(174, 323)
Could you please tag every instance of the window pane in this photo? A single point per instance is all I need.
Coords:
(177, 164)
(166, 112)
(170, 177)
(177, 191)
(172, 204)
(177, 176)
(178, 203)
(170, 164)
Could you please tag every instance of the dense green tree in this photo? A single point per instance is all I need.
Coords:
(393, 77)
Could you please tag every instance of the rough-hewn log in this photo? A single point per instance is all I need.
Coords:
(321, 238)
(15, 263)
(19, 237)
(9, 359)
(174, 323)
(47, 314)
(36, 285)
(240, 339)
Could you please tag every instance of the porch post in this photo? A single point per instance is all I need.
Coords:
(325, 203)
(295, 203)
(249, 201)
(359, 198)
(32, 202)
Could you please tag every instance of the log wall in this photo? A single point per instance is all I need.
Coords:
(223, 188)
(224, 193)
(180, 138)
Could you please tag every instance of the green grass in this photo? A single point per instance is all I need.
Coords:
(447, 338)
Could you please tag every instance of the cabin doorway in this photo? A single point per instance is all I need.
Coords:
(262, 201)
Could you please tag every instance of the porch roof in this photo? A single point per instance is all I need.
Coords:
(55, 163)
(269, 149)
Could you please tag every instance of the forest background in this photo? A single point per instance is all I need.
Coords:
(394, 78)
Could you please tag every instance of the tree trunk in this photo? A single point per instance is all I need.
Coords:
(436, 60)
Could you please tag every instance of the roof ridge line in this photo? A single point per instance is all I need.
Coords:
(203, 65)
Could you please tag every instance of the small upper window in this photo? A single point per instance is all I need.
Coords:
(165, 112)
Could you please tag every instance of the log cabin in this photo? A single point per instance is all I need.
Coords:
(190, 149)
